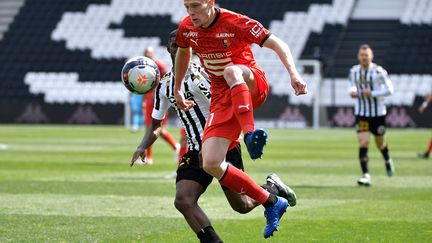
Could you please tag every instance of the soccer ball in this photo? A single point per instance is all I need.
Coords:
(140, 75)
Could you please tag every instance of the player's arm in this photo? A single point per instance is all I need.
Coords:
(386, 87)
(425, 103)
(182, 62)
(152, 133)
(352, 89)
(161, 106)
(284, 53)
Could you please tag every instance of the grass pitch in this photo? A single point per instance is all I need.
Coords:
(74, 184)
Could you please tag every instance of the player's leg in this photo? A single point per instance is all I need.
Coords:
(243, 203)
(426, 154)
(242, 82)
(363, 140)
(191, 183)
(378, 129)
(213, 152)
(186, 202)
(383, 147)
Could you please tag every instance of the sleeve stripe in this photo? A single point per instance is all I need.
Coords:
(157, 98)
(265, 38)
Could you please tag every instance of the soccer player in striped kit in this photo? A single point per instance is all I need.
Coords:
(192, 181)
(369, 84)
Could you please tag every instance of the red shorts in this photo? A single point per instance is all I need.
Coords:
(222, 121)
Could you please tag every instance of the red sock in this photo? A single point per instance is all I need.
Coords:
(238, 181)
(167, 137)
(242, 106)
(430, 146)
(149, 152)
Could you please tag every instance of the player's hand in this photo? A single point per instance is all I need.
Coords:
(299, 85)
(422, 108)
(182, 103)
(139, 154)
(353, 95)
(367, 92)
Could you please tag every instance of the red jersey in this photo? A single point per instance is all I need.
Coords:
(225, 42)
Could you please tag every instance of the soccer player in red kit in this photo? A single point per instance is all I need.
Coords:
(222, 40)
(148, 103)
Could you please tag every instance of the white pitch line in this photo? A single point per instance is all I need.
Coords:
(3, 146)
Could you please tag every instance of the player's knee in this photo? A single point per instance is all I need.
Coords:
(183, 203)
(232, 74)
(210, 168)
(364, 143)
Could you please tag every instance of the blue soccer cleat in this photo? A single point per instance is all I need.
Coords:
(255, 142)
(273, 216)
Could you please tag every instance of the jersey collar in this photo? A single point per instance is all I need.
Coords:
(215, 19)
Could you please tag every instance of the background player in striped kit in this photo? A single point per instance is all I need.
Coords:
(369, 84)
(192, 180)
(421, 109)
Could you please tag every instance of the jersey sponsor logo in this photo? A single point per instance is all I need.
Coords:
(215, 55)
(194, 41)
(225, 35)
(257, 30)
(190, 34)
(204, 89)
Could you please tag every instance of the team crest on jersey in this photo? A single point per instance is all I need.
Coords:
(225, 43)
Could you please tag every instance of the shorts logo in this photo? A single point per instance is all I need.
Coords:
(381, 130)
(244, 106)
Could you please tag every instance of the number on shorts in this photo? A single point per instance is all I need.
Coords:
(363, 126)
(210, 120)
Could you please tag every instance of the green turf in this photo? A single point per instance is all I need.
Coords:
(74, 184)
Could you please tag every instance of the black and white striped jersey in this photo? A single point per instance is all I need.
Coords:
(196, 87)
(376, 79)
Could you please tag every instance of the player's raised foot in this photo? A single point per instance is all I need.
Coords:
(273, 216)
(389, 167)
(423, 155)
(283, 190)
(364, 181)
(255, 142)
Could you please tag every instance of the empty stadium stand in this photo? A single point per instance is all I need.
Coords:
(68, 53)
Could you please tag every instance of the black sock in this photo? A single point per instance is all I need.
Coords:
(208, 235)
(271, 201)
(385, 153)
(271, 188)
(364, 160)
